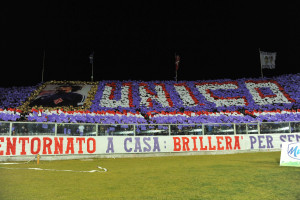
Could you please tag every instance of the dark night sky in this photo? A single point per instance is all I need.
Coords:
(137, 41)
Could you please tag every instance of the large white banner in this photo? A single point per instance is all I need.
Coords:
(31, 145)
(267, 59)
(62, 95)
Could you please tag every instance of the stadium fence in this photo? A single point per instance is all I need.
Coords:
(85, 129)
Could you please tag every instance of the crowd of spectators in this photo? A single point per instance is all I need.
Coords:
(165, 102)
(13, 97)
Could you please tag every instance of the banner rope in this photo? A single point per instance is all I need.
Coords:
(102, 169)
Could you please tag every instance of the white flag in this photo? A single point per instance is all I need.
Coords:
(91, 57)
(267, 60)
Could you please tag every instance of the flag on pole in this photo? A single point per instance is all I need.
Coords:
(177, 60)
(267, 60)
(91, 57)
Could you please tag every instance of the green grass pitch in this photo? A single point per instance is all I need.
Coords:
(230, 176)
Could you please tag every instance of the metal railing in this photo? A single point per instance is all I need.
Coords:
(85, 129)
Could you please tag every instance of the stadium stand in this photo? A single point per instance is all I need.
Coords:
(243, 100)
(12, 97)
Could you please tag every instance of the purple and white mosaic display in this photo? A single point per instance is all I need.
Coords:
(164, 102)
